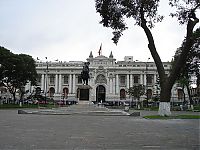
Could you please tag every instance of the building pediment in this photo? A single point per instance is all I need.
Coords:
(101, 60)
(101, 57)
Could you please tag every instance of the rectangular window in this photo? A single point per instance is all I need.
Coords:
(65, 78)
(136, 79)
(79, 79)
(122, 80)
(52, 77)
(149, 78)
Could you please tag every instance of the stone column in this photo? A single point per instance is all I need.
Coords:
(141, 78)
(114, 85)
(127, 85)
(45, 83)
(56, 83)
(117, 83)
(145, 79)
(154, 82)
(74, 83)
(111, 85)
(131, 80)
(70, 84)
(60, 84)
(48, 82)
(42, 82)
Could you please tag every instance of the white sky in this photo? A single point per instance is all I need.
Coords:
(68, 30)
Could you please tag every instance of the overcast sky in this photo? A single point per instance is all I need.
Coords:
(68, 30)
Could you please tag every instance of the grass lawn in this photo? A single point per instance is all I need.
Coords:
(173, 117)
(7, 106)
(13, 106)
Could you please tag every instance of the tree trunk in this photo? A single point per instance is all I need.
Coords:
(184, 100)
(189, 95)
(14, 97)
(165, 97)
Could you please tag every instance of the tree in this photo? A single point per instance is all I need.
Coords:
(136, 91)
(144, 12)
(192, 66)
(5, 56)
(8, 64)
(16, 70)
(27, 72)
(194, 57)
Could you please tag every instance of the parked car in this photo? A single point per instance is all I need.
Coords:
(60, 102)
(40, 102)
(28, 101)
(43, 102)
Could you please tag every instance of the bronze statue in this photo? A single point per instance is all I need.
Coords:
(85, 73)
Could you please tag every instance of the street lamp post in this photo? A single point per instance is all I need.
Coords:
(146, 86)
(46, 81)
(0, 90)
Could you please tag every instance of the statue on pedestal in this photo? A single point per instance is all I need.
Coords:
(85, 73)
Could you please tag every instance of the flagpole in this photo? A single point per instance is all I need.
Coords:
(100, 50)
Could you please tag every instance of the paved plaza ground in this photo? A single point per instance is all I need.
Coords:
(90, 132)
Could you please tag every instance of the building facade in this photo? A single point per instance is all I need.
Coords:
(109, 79)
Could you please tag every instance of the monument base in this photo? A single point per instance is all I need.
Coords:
(84, 94)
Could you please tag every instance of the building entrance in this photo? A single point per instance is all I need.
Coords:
(100, 93)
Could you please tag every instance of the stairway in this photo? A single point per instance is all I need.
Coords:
(79, 109)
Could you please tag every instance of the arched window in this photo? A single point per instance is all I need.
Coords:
(38, 91)
(51, 92)
(149, 94)
(65, 92)
(122, 94)
(100, 93)
(180, 94)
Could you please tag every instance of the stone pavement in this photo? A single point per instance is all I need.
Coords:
(96, 132)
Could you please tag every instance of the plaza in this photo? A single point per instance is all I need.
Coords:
(78, 132)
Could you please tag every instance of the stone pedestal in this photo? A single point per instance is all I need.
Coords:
(84, 94)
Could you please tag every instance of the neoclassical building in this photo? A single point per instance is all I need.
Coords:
(109, 79)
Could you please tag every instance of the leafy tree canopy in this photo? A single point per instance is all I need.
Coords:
(192, 66)
(16, 70)
(136, 91)
(114, 12)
